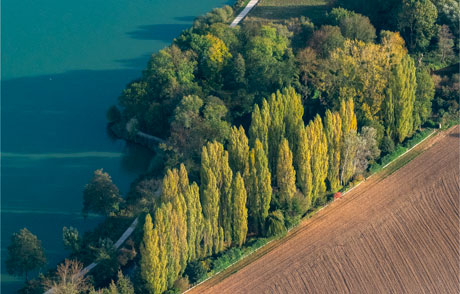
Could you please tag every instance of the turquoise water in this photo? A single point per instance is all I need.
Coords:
(63, 64)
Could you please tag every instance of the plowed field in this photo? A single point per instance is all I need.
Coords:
(393, 234)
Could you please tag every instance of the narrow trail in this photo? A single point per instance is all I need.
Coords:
(243, 13)
(117, 245)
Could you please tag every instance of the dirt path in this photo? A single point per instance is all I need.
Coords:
(396, 233)
(243, 13)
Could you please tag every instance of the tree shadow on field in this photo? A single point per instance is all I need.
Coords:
(455, 135)
(273, 13)
(159, 32)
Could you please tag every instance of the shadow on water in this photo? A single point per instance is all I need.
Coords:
(187, 18)
(160, 32)
(137, 63)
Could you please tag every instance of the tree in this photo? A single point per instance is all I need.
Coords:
(333, 129)
(303, 163)
(214, 160)
(194, 214)
(69, 279)
(424, 94)
(319, 159)
(170, 74)
(445, 44)
(285, 174)
(326, 39)
(71, 239)
(240, 212)
(153, 259)
(367, 149)
(238, 151)
(350, 148)
(275, 224)
(101, 195)
(416, 22)
(269, 60)
(403, 88)
(260, 123)
(122, 286)
(259, 188)
(358, 151)
(210, 202)
(353, 25)
(25, 254)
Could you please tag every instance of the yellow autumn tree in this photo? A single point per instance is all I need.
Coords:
(153, 259)
(319, 158)
(333, 129)
(303, 163)
(240, 212)
(285, 174)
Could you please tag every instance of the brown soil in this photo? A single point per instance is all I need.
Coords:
(395, 233)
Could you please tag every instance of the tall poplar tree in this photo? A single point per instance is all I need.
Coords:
(303, 163)
(293, 117)
(210, 202)
(348, 116)
(240, 212)
(277, 129)
(403, 86)
(259, 187)
(319, 160)
(285, 174)
(238, 150)
(333, 129)
(153, 259)
(214, 159)
(260, 123)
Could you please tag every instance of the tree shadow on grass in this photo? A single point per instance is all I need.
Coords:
(278, 13)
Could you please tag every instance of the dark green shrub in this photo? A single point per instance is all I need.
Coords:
(196, 270)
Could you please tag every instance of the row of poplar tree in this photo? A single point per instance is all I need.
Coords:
(281, 160)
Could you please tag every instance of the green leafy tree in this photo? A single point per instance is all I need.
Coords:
(424, 94)
(122, 286)
(353, 25)
(25, 254)
(240, 212)
(403, 87)
(101, 195)
(71, 239)
(416, 22)
(269, 60)
(285, 174)
(326, 39)
(275, 224)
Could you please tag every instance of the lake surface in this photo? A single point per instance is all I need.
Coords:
(63, 64)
